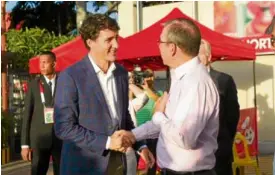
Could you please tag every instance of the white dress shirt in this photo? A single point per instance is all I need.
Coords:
(53, 82)
(136, 104)
(108, 85)
(188, 128)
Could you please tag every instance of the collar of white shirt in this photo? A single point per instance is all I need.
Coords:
(48, 80)
(186, 68)
(98, 70)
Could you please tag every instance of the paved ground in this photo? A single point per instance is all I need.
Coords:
(23, 168)
(20, 168)
(266, 166)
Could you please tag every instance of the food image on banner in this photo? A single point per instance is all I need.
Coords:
(253, 18)
(225, 17)
(258, 17)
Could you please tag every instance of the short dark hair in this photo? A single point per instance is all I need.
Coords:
(49, 53)
(93, 24)
(185, 34)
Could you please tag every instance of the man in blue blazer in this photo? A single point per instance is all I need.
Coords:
(91, 106)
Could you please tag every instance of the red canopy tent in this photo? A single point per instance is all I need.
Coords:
(66, 55)
(144, 44)
(141, 48)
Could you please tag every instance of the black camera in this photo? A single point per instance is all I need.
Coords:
(138, 75)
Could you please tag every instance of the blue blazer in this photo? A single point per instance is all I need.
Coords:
(82, 118)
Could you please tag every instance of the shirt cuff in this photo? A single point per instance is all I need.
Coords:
(108, 143)
(143, 146)
(159, 118)
(24, 146)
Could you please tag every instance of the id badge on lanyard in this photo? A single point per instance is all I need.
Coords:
(48, 112)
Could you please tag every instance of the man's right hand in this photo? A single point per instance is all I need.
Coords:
(26, 154)
(119, 142)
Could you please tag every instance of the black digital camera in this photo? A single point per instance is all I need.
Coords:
(138, 75)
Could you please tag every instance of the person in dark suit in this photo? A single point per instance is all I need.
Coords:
(229, 112)
(91, 106)
(38, 141)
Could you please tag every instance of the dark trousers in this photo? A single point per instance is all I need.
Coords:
(224, 165)
(115, 165)
(171, 172)
(41, 159)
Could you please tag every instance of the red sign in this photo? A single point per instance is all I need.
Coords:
(247, 126)
(262, 44)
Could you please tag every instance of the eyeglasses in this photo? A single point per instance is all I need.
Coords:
(159, 41)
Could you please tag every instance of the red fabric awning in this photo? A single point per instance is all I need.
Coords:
(144, 43)
(142, 49)
(66, 55)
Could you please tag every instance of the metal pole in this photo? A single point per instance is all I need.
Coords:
(195, 10)
(139, 16)
(254, 82)
(255, 99)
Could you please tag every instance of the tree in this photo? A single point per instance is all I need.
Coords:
(81, 14)
(112, 6)
(31, 42)
(152, 3)
(59, 17)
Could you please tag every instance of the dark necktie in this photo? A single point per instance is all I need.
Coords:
(50, 85)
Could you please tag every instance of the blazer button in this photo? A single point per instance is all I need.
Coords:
(110, 127)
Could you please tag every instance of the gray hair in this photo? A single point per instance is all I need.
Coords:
(185, 34)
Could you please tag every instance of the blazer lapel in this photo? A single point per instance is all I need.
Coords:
(95, 87)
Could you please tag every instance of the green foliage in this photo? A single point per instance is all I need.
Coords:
(31, 42)
(152, 3)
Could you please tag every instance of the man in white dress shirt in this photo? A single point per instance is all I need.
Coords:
(185, 121)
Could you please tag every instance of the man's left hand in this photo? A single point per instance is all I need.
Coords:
(161, 103)
(148, 157)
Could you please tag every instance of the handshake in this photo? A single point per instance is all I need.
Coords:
(121, 140)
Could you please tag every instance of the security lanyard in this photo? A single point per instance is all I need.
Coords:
(42, 93)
